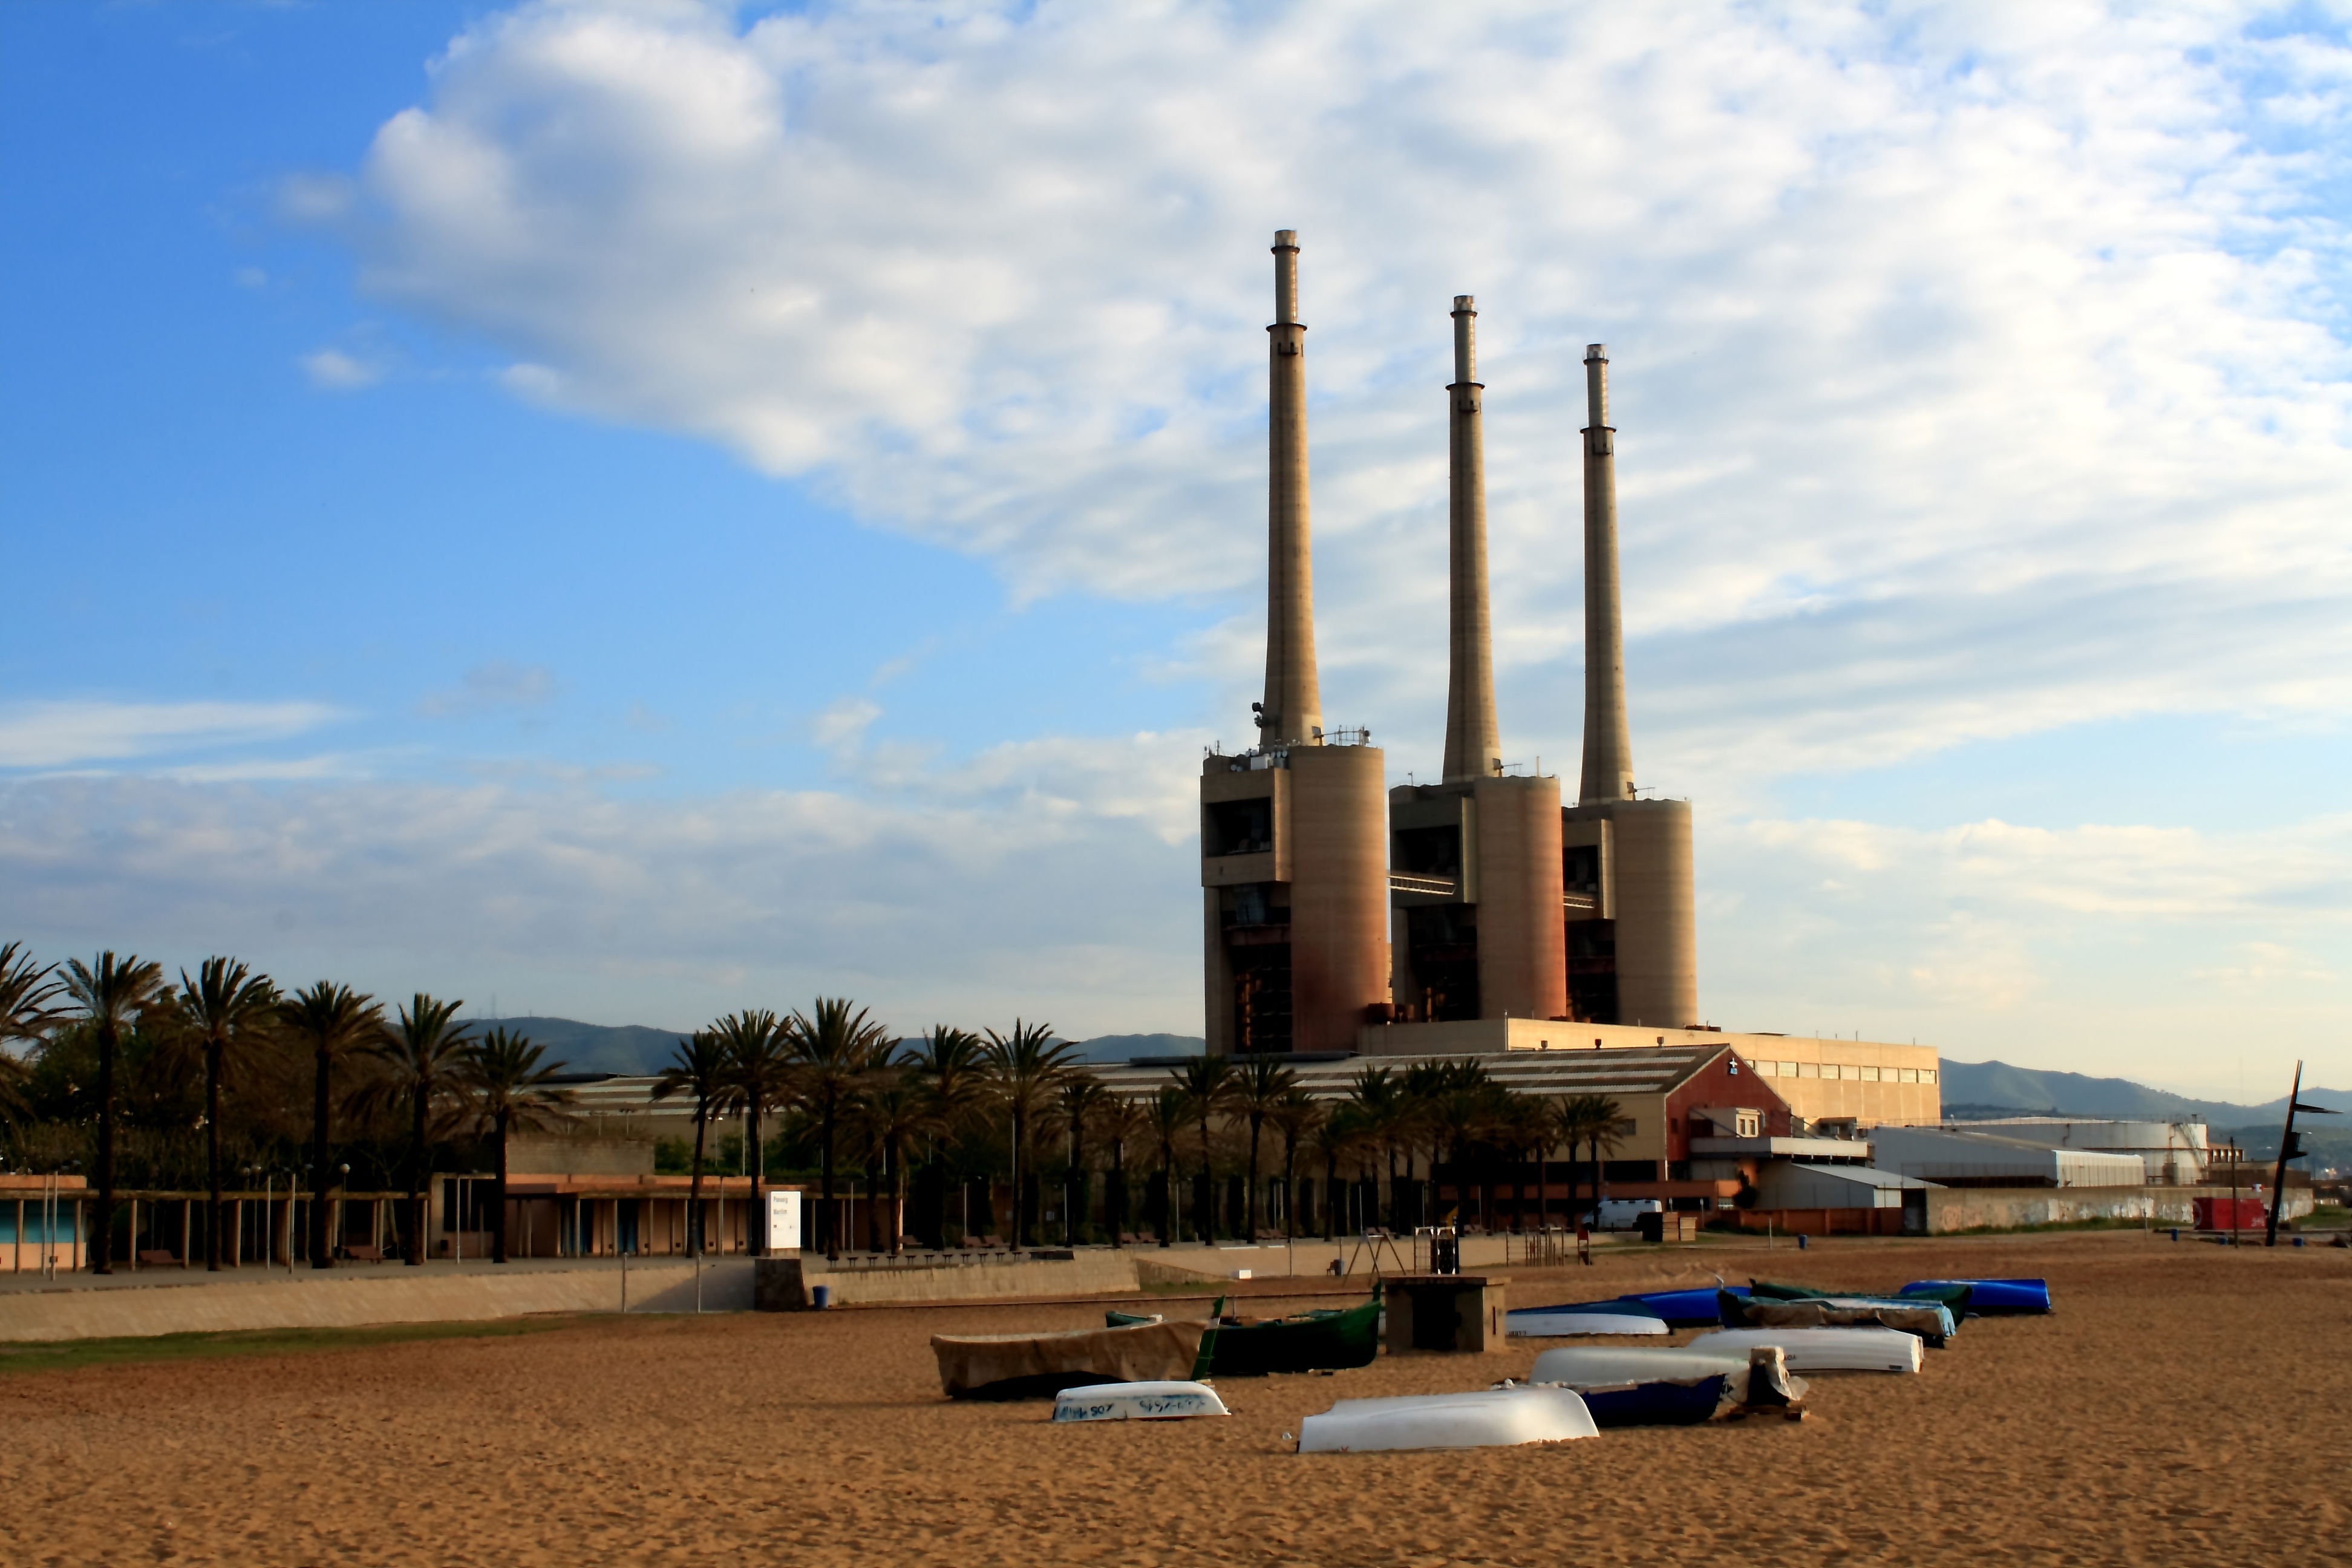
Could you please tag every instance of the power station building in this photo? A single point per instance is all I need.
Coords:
(1332, 905)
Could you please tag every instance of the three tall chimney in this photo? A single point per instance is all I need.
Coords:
(1474, 745)
(1292, 713)
(1608, 743)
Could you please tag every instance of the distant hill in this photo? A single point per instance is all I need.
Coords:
(1999, 1089)
(634, 1048)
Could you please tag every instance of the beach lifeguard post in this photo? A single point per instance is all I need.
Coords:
(1448, 1314)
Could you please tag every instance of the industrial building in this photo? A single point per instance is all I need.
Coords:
(1339, 917)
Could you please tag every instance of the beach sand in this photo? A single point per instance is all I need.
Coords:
(2182, 1406)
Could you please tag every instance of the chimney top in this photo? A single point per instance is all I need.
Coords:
(1285, 239)
(1596, 352)
(1465, 302)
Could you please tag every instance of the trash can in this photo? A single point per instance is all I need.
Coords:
(820, 1297)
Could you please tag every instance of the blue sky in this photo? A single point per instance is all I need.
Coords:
(640, 509)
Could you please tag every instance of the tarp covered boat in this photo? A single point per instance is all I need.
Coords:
(1137, 1402)
(1685, 1308)
(1487, 1418)
(1621, 1316)
(1992, 1298)
(1032, 1366)
(1931, 1320)
(1824, 1349)
(1645, 1385)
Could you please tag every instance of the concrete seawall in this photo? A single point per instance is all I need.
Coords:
(340, 1299)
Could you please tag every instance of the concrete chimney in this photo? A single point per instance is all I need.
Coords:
(1608, 743)
(1473, 744)
(1292, 713)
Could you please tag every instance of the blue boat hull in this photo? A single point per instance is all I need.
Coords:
(1686, 1308)
(1997, 1298)
(1656, 1404)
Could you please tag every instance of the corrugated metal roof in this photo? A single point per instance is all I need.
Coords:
(1647, 1071)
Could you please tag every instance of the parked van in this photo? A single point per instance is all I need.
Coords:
(1621, 1214)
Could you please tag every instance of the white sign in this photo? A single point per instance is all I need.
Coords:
(783, 1222)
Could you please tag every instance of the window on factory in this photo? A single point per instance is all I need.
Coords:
(1787, 1069)
(1808, 1069)
(1927, 1075)
(1870, 1075)
(1906, 1075)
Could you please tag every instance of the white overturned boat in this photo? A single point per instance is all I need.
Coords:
(1137, 1402)
(1824, 1349)
(1583, 1318)
(1602, 1365)
(1486, 1418)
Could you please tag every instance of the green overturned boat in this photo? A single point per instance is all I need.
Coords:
(1324, 1340)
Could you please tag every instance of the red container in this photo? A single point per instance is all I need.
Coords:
(2214, 1214)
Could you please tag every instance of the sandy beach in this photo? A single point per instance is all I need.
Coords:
(2181, 1406)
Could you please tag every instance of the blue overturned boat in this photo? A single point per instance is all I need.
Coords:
(1992, 1298)
(1686, 1308)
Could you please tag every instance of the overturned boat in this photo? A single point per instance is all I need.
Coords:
(1034, 1366)
(1991, 1298)
(1931, 1320)
(1167, 1401)
(1487, 1418)
(1621, 1316)
(1824, 1349)
(1322, 1340)
(1693, 1309)
(1646, 1385)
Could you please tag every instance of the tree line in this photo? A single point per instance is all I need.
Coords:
(220, 1070)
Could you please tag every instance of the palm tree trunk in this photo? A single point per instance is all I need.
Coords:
(1016, 1178)
(1543, 1187)
(1167, 1191)
(896, 1165)
(694, 1190)
(499, 1214)
(101, 1255)
(415, 1251)
(211, 1154)
(1115, 1199)
(824, 1155)
(755, 1222)
(1204, 1206)
(1249, 1206)
(1330, 1192)
(322, 1175)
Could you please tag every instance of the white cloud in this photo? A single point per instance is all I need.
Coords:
(1977, 370)
(495, 687)
(332, 370)
(64, 733)
(842, 727)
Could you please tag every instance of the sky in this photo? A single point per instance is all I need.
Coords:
(629, 511)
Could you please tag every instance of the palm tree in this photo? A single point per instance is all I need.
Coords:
(1295, 1116)
(224, 1007)
(1169, 1112)
(114, 994)
(1258, 1088)
(1382, 1115)
(830, 1053)
(759, 1075)
(889, 1110)
(1026, 1068)
(1120, 1121)
(506, 1082)
(697, 1066)
(421, 1064)
(1209, 1089)
(1590, 1118)
(26, 992)
(1082, 1096)
(1340, 1136)
(955, 1081)
(335, 1022)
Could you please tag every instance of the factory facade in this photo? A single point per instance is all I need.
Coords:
(1483, 914)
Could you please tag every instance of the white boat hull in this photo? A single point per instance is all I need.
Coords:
(1822, 1350)
(1487, 1418)
(1137, 1402)
(1565, 1325)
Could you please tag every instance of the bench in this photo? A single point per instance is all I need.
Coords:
(159, 1258)
(358, 1251)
